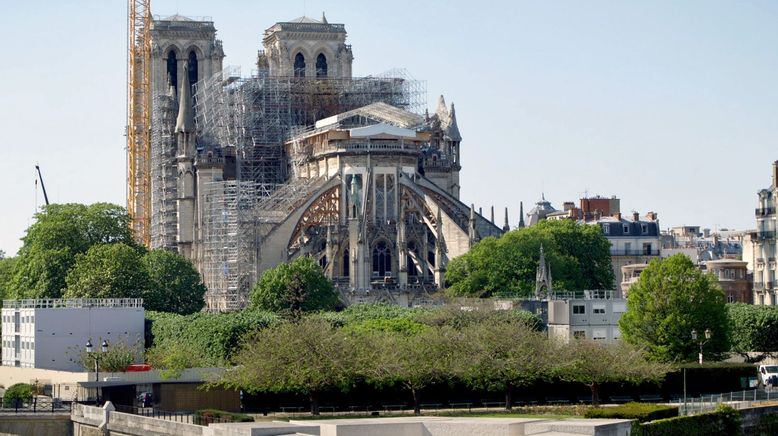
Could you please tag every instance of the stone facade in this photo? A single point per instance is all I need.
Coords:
(764, 244)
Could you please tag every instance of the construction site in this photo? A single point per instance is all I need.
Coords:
(209, 175)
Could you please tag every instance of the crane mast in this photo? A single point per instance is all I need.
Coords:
(139, 118)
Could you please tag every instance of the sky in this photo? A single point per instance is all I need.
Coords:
(670, 106)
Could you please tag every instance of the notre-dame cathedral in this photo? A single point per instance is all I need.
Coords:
(299, 158)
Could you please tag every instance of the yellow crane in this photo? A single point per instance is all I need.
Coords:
(139, 118)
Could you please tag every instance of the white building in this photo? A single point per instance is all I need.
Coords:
(50, 334)
(594, 316)
(765, 245)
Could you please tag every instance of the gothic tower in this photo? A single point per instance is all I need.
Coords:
(305, 47)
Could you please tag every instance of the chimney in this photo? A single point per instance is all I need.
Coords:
(635, 216)
(775, 174)
(568, 205)
(652, 216)
(617, 215)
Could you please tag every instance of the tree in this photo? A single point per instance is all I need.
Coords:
(504, 355)
(116, 359)
(21, 392)
(593, 364)
(293, 288)
(307, 357)
(59, 234)
(108, 271)
(670, 299)
(753, 328)
(579, 257)
(7, 266)
(413, 361)
(174, 283)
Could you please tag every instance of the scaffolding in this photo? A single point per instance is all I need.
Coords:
(228, 243)
(255, 116)
(164, 188)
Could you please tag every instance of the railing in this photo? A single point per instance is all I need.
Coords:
(615, 252)
(739, 400)
(34, 405)
(72, 303)
(185, 417)
(764, 211)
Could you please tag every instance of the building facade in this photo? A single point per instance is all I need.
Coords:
(594, 316)
(51, 334)
(734, 279)
(763, 241)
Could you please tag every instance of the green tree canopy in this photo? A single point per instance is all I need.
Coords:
(593, 364)
(108, 271)
(307, 357)
(753, 328)
(7, 266)
(504, 355)
(670, 299)
(59, 234)
(293, 288)
(174, 283)
(579, 257)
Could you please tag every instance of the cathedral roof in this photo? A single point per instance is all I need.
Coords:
(381, 112)
(177, 17)
(452, 129)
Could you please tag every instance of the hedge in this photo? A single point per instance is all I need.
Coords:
(208, 416)
(724, 421)
(643, 412)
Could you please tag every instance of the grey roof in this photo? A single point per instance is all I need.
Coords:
(185, 119)
(452, 129)
(177, 17)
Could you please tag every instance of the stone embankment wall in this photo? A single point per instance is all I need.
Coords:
(39, 424)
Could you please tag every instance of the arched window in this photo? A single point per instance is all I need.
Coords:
(172, 69)
(346, 263)
(321, 65)
(299, 65)
(382, 259)
(192, 68)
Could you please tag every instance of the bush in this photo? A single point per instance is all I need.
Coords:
(643, 412)
(208, 416)
(20, 391)
(725, 421)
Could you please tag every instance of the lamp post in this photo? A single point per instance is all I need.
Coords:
(701, 342)
(96, 357)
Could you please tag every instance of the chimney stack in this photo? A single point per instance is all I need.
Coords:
(775, 174)
(635, 216)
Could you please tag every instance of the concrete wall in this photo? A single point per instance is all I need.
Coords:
(88, 419)
(36, 424)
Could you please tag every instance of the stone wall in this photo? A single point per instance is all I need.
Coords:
(36, 424)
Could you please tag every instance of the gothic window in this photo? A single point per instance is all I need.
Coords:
(299, 65)
(192, 68)
(346, 263)
(172, 69)
(321, 65)
(382, 259)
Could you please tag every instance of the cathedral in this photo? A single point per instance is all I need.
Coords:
(302, 159)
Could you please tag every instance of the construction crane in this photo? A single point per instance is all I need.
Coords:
(45, 197)
(139, 118)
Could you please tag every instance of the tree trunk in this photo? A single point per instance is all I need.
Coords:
(509, 396)
(314, 404)
(595, 387)
(416, 406)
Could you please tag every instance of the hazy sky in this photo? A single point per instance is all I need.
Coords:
(669, 105)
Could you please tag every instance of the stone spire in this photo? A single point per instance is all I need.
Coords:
(543, 277)
(452, 130)
(185, 120)
(521, 215)
(441, 110)
(506, 227)
(323, 18)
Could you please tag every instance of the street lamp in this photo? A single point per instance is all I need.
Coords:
(96, 357)
(701, 342)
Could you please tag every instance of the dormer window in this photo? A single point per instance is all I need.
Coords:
(626, 229)
(644, 229)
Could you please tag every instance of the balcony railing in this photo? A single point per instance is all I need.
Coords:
(764, 211)
(615, 252)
